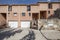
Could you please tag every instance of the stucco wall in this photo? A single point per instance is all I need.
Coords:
(16, 9)
(3, 9)
(35, 9)
(55, 6)
(43, 6)
(23, 9)
(12, 17)
(19, 10)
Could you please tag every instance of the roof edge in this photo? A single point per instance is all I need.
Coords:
(25, 4)
(48, 2)
(18, 4)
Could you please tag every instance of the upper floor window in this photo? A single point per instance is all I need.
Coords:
(9, 8)
(23, 14)
(50, 5)
(15, 14)
(28, 8)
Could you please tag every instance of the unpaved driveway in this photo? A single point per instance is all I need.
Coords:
(51, 34)
(28, 34)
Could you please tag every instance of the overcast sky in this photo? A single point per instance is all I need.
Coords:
(22, 1)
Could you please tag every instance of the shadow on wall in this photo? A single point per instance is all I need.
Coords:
(3, 20)
(30, 36)
(9, 33)
(3, 15)
(3, 26)
(56, 14)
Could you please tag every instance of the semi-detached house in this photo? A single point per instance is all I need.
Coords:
(20, 15)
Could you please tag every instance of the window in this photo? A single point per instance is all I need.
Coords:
(23, 14)
(48, 12)
(29, 14)
(50, 5)
(15, 14)
(28, 8)
(9, 8)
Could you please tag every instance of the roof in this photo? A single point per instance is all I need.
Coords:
(18, 1)
(24, 1)
(18, 4)
(50, 0)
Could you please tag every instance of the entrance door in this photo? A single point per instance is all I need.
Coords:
(43, 15)
(35, 16)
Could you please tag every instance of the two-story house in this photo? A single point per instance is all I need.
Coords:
(20, 15)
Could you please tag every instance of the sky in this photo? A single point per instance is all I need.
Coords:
(23, 1)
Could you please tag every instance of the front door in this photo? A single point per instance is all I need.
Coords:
(35, 16)
(43, 15)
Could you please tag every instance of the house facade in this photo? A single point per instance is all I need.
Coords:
(20, 15)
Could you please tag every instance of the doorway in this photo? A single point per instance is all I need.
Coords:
(43, 15)
(35, 16)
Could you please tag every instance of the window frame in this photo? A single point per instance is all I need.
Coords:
(23, 14)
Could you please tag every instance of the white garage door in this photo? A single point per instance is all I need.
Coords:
(13, 24)
(25, 24)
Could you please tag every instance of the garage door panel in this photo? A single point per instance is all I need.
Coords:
(13, 24)
(25, 24)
